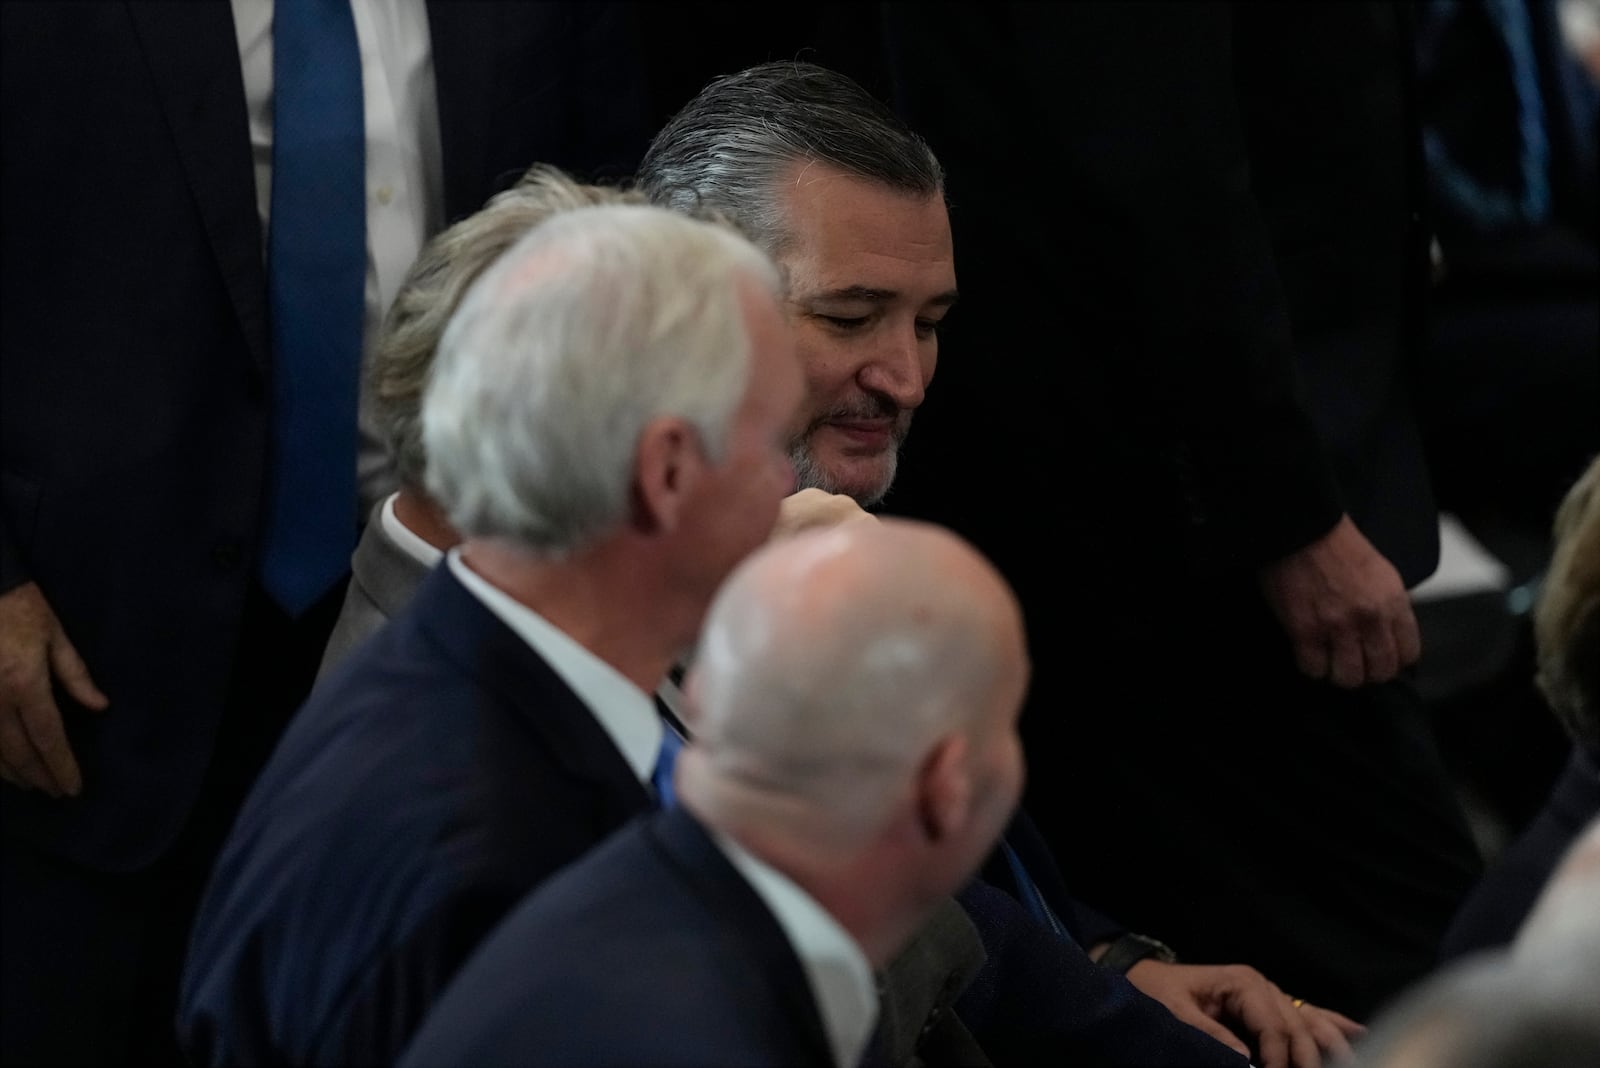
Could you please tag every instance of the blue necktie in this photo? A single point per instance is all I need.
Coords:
(661, 778)
(1028, 891)
(316, 279)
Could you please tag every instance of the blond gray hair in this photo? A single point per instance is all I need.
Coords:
(440, 277)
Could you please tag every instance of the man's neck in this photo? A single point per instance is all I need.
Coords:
(858, 887)
(599, 601)
(418, 513)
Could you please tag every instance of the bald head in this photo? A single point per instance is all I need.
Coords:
(833, 662)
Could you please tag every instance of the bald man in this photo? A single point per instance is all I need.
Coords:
(855, 758)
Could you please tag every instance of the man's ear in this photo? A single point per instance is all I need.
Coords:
(944, 788)
(667, 463)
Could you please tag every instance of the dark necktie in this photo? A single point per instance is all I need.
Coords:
(316, 277)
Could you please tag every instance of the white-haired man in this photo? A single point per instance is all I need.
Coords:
(605, 428)
(854, 706)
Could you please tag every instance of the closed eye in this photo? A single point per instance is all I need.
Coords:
(844, 322)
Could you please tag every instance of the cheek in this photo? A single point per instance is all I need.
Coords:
(828, 371)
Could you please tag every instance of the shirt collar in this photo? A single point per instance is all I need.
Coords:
(838, 971)
(407, 539)
(626, 712)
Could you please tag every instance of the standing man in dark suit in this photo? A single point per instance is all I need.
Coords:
(1207, 318)
(849, 202)
(855, 757)
(604, 427)
(144, 667)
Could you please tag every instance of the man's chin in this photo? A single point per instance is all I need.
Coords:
(865, 478)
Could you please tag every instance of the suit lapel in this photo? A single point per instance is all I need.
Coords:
(193, 58)
(687, 848)
(485, 650)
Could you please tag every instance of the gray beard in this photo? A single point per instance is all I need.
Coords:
(809, 474)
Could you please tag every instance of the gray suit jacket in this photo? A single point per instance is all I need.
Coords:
(383, 576)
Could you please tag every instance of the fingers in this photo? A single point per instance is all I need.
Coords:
(34, 752)
(1347, 662)
(813, 507)
(1407, 636)
(1373, 645)
(1311, 654)
(1344, 607)
(1200, 1021)
(74, 673)
(41, 721)
(1281, 1033)
(1328, 1030)
(1304, 1052)
(25, 696)
(33, 743)
(1347, 1027)
(24, 766)
(1183, 988)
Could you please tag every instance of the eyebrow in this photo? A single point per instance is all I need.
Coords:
(878, 296)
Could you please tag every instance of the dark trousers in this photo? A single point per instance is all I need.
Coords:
(90, 960)
(1203, 792)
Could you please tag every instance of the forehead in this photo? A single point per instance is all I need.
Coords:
(845, 231)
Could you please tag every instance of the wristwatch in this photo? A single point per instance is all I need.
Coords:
(1129, 949)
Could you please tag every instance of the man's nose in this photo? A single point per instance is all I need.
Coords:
(896, 370)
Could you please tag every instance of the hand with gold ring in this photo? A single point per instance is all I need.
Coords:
(1331, 1030)
(1242, 1009)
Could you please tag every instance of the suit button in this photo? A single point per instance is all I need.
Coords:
(226, 555)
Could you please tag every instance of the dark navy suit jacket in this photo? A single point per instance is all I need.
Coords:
(653, 950)
(1038, 997)
(438, 775)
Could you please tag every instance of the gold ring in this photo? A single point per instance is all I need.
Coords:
(1297, 1002)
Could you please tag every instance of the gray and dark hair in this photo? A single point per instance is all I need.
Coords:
(729, 147)
(446, 267)
(596, 322)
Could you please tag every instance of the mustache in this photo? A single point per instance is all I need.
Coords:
(867, 406)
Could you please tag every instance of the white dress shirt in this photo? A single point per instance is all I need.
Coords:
(838, 971)
(626, 713)
(405, 176)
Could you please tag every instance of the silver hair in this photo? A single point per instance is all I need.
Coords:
(597, 322)
(729, 148)
(446, 267)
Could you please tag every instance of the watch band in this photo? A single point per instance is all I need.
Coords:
(1129, 949)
